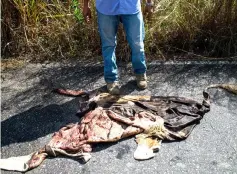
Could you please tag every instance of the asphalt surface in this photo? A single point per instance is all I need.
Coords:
(31, 113)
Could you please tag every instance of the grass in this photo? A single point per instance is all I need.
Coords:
(54, 29)
(9, 64)
(201, 26)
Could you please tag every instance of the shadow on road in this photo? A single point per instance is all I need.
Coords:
(45, 117)
(37, 122)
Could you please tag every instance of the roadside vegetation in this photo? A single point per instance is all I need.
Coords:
(55, 29)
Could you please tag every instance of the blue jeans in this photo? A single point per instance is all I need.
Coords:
(134, 28)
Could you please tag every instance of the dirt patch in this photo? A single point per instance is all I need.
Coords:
(12, 63)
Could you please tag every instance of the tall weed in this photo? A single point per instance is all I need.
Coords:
(207, 27)
(55, 29)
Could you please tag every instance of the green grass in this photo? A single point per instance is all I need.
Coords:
(55, 29)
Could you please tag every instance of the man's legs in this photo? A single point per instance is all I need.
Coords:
(134, 27)
(108, 27)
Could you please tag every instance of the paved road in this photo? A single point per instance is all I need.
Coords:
(31, 113)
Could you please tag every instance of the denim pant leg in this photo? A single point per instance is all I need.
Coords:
(108, 27)
(135, 33)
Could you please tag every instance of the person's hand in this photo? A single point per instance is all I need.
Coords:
(87, 14)
(149, 9)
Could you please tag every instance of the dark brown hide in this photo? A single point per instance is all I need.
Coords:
(109, 118)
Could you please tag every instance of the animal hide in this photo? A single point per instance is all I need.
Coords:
(229, 87)
(109, 118)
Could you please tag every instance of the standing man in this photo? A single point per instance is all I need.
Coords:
(110, 13)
